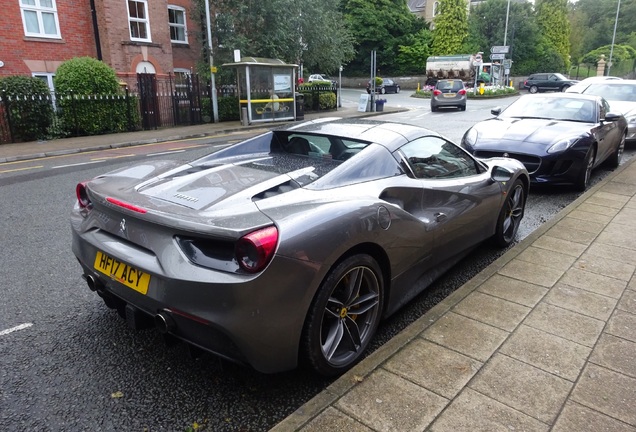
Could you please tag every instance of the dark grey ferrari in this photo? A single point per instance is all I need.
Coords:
(291, 246)
(560, 138)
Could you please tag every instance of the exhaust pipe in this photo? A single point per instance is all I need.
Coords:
(164, 323)
(93, 284)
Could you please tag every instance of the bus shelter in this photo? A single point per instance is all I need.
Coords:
(266, 89)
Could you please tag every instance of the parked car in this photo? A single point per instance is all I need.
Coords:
(292, 244)
(387, 86)
(559, 138)
(621, 96)
(541, 82)
(448, 93)
(321, 77)
(583, 84)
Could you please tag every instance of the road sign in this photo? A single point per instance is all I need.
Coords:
(507, 63)
(499, 49)
(497, 56)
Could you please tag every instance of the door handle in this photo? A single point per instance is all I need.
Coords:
(439, 217)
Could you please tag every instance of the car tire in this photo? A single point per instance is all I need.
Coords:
(397, 89)
(533, 89)
(334, 339)
(462, 107)
(615, 159)
(510, 215)
(583, 180)
(382, 90)
(434, 108)
(564, 88)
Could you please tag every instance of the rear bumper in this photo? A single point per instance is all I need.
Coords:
(255, 320)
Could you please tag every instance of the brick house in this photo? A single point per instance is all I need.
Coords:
(131, 36)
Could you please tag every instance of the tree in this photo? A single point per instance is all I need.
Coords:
(451, 27)
(388, 27)
(486, 27)
(313, 33)
(552, 18)
(592, 25)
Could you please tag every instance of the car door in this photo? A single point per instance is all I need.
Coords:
(459, 199)
(606, 133)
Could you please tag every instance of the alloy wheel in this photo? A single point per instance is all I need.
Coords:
(350, 316)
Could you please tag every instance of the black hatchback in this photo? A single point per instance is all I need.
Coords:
(387, 86)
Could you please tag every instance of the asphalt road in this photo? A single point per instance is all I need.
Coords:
(74, 365)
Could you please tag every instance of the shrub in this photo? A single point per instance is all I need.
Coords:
(228, 108)
(28, 104)
(327, 100)
(91, 101)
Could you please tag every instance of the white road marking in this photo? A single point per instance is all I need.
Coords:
(16, 328)
(165, 153)
(77, 164)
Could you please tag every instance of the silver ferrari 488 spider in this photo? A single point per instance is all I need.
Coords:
(289, 248)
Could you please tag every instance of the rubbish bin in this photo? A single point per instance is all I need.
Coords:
(300, 106)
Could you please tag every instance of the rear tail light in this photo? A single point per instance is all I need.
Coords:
(437, 92)
(255, 250)
(462, 92)
(82, 196)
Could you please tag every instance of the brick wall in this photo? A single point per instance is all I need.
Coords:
(24, 55)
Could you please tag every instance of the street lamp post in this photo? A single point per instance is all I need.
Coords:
(506, 28)
(215, 106)
(609, 64)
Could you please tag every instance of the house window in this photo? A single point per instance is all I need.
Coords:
(138, 20)
(48, 79)
(435, 8)
(40, 18)
(177, 21)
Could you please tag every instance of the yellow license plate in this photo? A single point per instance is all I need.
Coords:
(449, 94)
(122, 273)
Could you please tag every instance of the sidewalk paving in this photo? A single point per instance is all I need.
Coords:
(542, 339)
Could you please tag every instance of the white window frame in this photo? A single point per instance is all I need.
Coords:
(40, 10)
(184, 26)
(145, 21)
(48, 77)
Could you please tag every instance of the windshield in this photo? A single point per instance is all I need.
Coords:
(561, 108)
(618, 92)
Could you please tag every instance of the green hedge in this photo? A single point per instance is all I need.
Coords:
(81, 112)
(27, 102)
(228, 108)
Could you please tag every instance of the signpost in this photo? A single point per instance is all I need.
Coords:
(499, 50)
(497, 56)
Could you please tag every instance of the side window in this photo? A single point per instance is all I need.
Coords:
(435, 158)
(604, 108)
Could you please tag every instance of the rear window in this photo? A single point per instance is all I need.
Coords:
(455, 85)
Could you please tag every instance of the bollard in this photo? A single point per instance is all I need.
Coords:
(244, 119)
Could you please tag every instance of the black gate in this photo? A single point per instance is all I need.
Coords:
(170, 101)
(186, 100)
(148, 100)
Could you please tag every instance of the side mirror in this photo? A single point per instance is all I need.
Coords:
(500, 174)
(610, 117)
(495, 111)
